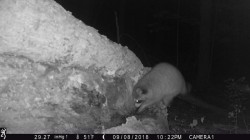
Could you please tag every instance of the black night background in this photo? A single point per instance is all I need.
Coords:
(209, 41)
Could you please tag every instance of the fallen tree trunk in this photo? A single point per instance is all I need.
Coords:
(58, 75)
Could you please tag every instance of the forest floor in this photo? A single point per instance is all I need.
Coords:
(185, 118)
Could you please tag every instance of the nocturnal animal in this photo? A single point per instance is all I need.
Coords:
(163, 82)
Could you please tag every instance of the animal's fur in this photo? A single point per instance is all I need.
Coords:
(163, 82)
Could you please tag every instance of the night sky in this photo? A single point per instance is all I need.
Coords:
(169, 31)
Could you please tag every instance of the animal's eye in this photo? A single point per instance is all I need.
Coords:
(143, 91)
(138, 101)
(140, 91)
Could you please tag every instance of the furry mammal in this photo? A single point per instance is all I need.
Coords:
(164, 81)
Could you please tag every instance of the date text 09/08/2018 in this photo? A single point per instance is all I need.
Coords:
(162, 137)
(145, 137)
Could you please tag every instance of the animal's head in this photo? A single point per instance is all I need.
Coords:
(141, 98)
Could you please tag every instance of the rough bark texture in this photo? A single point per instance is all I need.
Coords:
(58, 75)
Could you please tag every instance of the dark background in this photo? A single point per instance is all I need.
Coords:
(208, 40)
